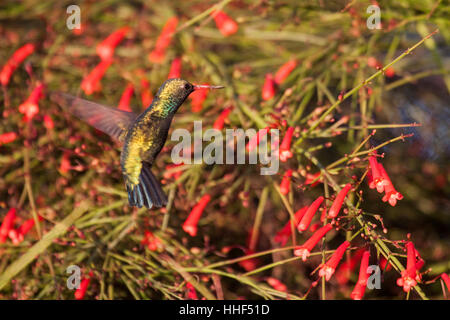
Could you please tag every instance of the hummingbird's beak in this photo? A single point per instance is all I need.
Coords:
(204, 86)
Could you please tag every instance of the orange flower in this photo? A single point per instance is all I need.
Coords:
(91, 83)
(284, 71)
(16, 59)
(175, 69)
(328, 269)
(305, 249)
(190, 225)
(224, 23)
(268, 90)
(159, 53)
(105, 49)
(312, 209)
(124, 103)
(337, 203)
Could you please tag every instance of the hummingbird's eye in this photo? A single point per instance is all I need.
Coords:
(187, 86)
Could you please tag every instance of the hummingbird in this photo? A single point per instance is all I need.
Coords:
(142, 136)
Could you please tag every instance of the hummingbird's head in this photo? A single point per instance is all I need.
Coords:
(173, 92)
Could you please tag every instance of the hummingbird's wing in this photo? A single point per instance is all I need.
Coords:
(111, 121)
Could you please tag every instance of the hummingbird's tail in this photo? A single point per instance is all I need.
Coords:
(148, 192)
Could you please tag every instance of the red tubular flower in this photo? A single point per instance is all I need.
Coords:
(65, 165)
(268, 90)
(91, 83)
(328, 269)
(7, 137)
(16, 59)
(285, 184)
(360, 288)
(409, 276)
(374, 63)
(249, 264)
(316, 225)
(105, 49)
(276, 284)
(391, 195)
(175, 69)
(30, 106)
(419, 261)
(284, 234)
(378, 181)
(175, 174)
(305, 249)
(369, 178)
(285, 70)
(81, 291)
(313, 179)
(343, 273)
(220, 121)
(385, 265)
(224, 23)
(254, 141)
(446, 280)
(198, 97)
(152, 242)
(190, 225)
(192, 294)
(124, 103)
(27, 225)
(323, 215)
(337, 204)
(159, 53)
(48, 122)
(79, 31)
(146, 94)
(18, 235)
(7, 224)
(358, 291)
(306, 220)
(285, 147)
(389, 72)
